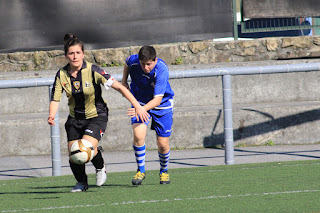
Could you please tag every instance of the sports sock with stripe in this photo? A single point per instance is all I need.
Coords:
(164, 161)
(140, 153)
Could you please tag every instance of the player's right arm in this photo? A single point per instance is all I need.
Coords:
(55, 99)
(140, 112)
(53, 108)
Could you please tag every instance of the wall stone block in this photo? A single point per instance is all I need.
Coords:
(273, 44)
(40, 59)
(3, 57)
(294, 54)
(20, 56)
(249, 43)
(224, 45)
(222, 56)
(111, 56)
(9, 67)
(315, 51)
(55, 53)
(168, 53)
(298, 42)
(316, 40)
(196, 47)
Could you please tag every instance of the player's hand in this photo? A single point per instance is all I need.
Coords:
(131, 112)
(51, 121)
(142, 114)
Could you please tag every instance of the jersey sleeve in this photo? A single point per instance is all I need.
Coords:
(133, 59)
(102, 77)
(161, 80)
(57, 88)
(128, 61)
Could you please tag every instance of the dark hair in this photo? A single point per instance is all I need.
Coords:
(71, 40)
(147, 53)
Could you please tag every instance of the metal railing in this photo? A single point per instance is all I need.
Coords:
(268, 24)
(275, 24)
(226, 74)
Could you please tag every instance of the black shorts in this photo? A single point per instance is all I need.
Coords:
(94, 127)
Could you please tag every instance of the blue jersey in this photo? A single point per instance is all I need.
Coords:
(146, 86)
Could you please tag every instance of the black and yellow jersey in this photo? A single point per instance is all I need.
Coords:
(83, 92)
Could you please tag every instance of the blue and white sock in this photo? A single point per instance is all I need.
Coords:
(164, 161)
(140, 153)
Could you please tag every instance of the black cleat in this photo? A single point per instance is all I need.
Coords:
(138, 178)
(164, 178)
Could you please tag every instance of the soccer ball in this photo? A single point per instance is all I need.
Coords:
(81, 151)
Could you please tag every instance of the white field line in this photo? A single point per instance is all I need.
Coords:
(53, 208)
(214, 197)
(158, 201)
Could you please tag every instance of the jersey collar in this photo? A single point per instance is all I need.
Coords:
(84, 65)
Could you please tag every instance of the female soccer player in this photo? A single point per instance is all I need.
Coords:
(88, 112)
(150, 86)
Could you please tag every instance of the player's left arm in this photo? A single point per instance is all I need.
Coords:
(108, 81)
(156, 101)
(140, 111)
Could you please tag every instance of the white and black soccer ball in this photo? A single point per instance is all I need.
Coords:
(81, 151)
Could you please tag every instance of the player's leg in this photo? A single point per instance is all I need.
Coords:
(162, 124)
(164, 152)
(164, 156)
(98, 161)
(80, 175)
(93, 133)
(74, 133)
(139, 133)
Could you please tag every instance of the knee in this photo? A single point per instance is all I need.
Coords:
(138, 141)
(163, 144)
(163, 148)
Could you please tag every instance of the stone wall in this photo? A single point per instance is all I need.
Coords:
(202, 52)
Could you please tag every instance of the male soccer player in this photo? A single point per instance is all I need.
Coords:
(150, 86)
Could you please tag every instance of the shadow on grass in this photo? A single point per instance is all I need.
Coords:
(64, 189)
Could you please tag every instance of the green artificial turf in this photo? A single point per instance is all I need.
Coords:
(265, 187)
